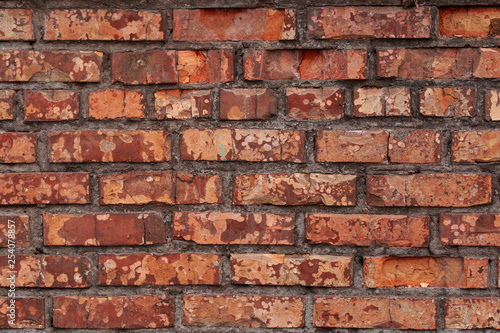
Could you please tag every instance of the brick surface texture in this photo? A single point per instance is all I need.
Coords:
(202, 166)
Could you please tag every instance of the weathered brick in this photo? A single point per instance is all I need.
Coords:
(234, 24)
(7, 104)
(151, 269)
(352, 146)
(315, 103)
(470, 229)
(331, 64)
(183, 104)
(245, 104)
(197, 188)
(20, 225)
(109, 146)
(114, 103)
(144, 67)
(234, 228)
(425, 272)
(377, 102)
(491, 100)
(44, 188)
(103, 229)
(47, 66)
(51, 105)
(367, 230)
(429, 190)
(99, 312)
(375, 312)
(469, 21)
(289, 270)
(243, 311)
(448, 102)
(16, 24)
(369, 22)
(418, 146)
(472, 313)
(17, 147)
(103, 24)
(294, 189)
(29, 312)
(46, 271)
(196, 66)
(475, 146)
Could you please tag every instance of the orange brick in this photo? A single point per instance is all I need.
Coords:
(114, 104)
(7, 104)
(475, 146)
(472, 313)
(491, 101)
(144, 67)
(315, 103)
(469, 21)
(448, 102)
(16, 24)
(183, 104)
(470, 229)
(29, 312)
(377, 102)
(205, 66)
(17, 147)
(417, 146)
(246, 104)
(51, 105)
(19, 227)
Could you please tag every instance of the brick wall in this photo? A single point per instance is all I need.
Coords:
(200, 166)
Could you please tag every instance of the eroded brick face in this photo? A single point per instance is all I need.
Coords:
(21, 226)
(51, 105)
(315, 104)
(247, 104)
(17, 147)
(476, 146)
(115, 104)
(471, 313)
(448, 102)
(16, 24)
(7, 100)
(377, 102)
(469, 229)
(30, 312)
(183, 104)
(469, 21)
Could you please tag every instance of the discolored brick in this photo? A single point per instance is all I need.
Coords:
(197, 188)
(491, 101)
(115, 104)
(377, 102)
(448, 102)
(16, 24)
(470, 229)
(468, 21)
(247, 104)
(418, 146)
(7, 104)
(472, 313)
(51, 105)
(315, 103)
(19, 227)
(475, 146)
(17, 147)
(144, 67)
(197, 66)
(29, 312)
(183, 104)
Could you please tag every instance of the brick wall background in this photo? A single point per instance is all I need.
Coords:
(235, 166)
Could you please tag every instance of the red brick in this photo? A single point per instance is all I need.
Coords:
(16, 24)
(243, 311)
(151, 269)
(289, 270)
(315, 103)
(294, 189)
(44, 188)
(51, 105)
(29, 312)
(144, 67)
(20, 231)
(429, 190)
(425, 272)
(103, 24)
(329, 64)
(448, 102)
(469, 21)
(470, 229)
(377, 102)
(475, 146)
(7, 104)
(114, 104)
(375, 312)
(17, 147)
(46, 271)
(109, 146)
(417, 146)
(205, 66)
(367, 230)
(472, 313)
(492, 105)
(234, 228)
(99, 312)
(352, 146)
(183, 104)
(51, 66)
(234, 24)
(369, 22)
(103, 229)
(246, 104)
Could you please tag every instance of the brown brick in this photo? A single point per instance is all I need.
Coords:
(44, 188)
(475, 146)
(7, 104)
(234, 24)
(429, 190)
(448, 102)
(17, 147)
(492, 105)
(99, 312)
(243, 311)
(144, 67)
(103, 24)
(418, 146)
(46, 271)
(425, 272)
(367, 230)
(114, 103)
(151, 269)
(375, 312)
(470, 229)
(328, 64)
(469, 21)
(472, 313)
(234, 228)
(183, 104)
(29, 312)
(109, 146)
(19, 227)
(103, 229)
(205, 66)
(352, 146)
(294, 189)
(315, 103)
(16, 24)
(197, 189)
(245, 104)
(377, 102)
(289, 270)
(51, 105)
(51, 66)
